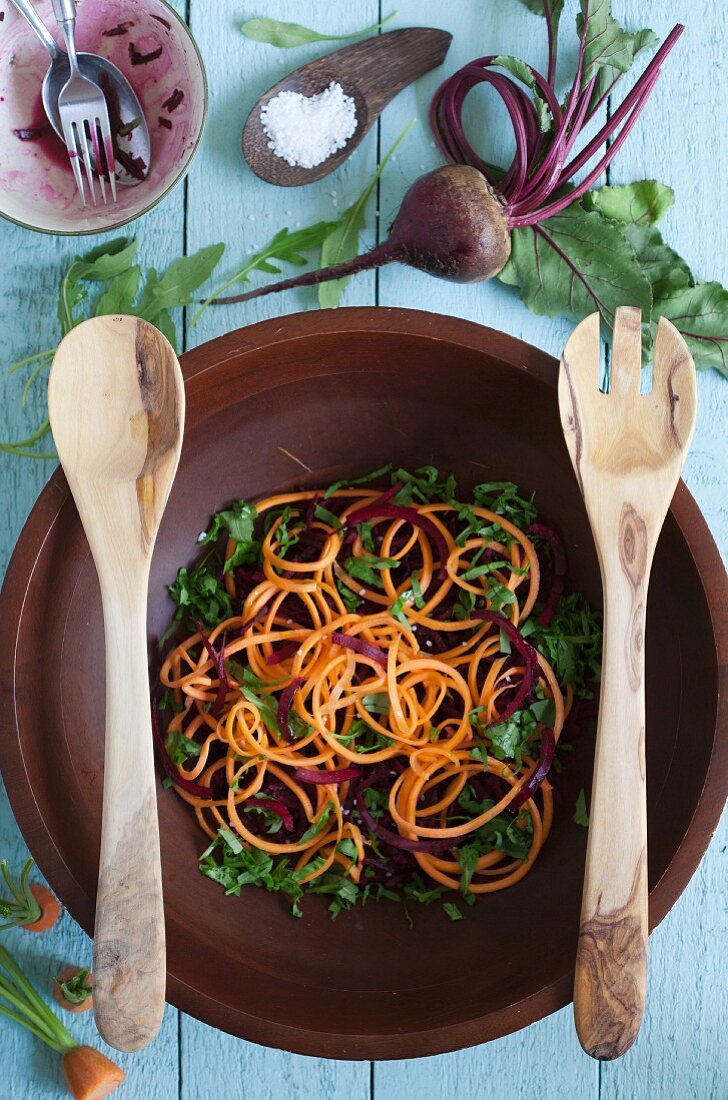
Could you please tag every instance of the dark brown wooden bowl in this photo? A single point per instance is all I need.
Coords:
(336, 394)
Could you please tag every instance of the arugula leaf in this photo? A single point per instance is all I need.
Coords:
(100, 264)
(452, 910)
(285, 246)
(343, 242)
(177, 285)
(120, 294)
(580, 816)
(700, 314)
(524, 73)
(575, 263)
(511, 835)
(641, 203)
(274, 32)
(609, 51)
(181, 748)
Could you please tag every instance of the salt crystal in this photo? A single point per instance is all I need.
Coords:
(305, 130)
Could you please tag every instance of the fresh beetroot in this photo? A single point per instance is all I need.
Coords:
(451, 224)
(455, 222)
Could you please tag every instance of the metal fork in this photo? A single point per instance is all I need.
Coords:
(627, 449)
(84, 115)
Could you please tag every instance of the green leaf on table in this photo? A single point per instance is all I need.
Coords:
(100, 264)
(640, 203)
(120, 294)
(274, 32)
(285, 246)
(575, 263)
(609, 50)
(524, 73)
(700, 313)
(551, 9)
(343, 243)
(662, 267)
(580, 815)
(176, 287)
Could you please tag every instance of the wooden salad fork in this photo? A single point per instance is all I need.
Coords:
(627, 450)
(116, 403)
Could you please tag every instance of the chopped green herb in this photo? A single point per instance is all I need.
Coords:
(581, 817)
(181, 748)
(452, 910)
(326, 516)
(367, 569)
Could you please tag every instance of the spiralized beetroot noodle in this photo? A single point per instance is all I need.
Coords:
(558, 556)
(524, 650)
(359, 646)
(341, 775)
(543, 766)
(284, 707)
(389, 771)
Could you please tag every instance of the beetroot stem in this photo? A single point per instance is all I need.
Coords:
(385, 253)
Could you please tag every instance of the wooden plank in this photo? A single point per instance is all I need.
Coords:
(681, 140)
(33, 265)
(544, 1060)
(241, 209)
(245, 212)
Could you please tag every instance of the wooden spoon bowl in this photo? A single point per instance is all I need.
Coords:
(372, 72)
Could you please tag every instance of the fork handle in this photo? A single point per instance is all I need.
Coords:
(611, 965)
(27, 10)
(64, 10)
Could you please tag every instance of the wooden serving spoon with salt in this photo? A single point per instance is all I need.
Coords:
(627, 449)
(371, 72)
(116, 403)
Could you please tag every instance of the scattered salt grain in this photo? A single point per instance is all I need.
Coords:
(305, 130)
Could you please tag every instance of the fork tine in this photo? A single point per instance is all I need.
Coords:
(105, 128)
(98, 160)
(86, 154)
(626, 360)
(68, 137)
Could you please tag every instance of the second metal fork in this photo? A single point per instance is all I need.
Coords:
(84, 115)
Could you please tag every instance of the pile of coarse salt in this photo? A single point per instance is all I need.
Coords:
(306, 130)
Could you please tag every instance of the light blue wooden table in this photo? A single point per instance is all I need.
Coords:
(682, 139)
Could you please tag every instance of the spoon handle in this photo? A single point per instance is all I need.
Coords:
(129, 944)
(27, 10)
(611, 963)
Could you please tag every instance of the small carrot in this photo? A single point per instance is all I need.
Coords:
(72, 989)
(89, 1074)
(32, 906)
(50, 909)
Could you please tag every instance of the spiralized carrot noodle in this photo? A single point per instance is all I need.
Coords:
(372, 705)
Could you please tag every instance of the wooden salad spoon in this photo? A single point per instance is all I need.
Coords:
(116, 403)
(627, 450)
(372, 72)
